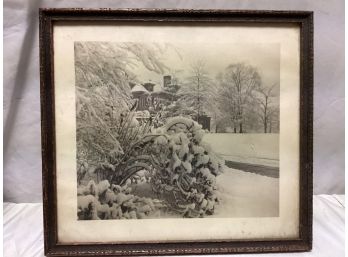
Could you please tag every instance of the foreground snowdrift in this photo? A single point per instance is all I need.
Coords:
(245, 194)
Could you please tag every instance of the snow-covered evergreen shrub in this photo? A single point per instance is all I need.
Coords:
(102, 201)
(187, 174)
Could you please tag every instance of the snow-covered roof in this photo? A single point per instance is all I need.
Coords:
(139, 88)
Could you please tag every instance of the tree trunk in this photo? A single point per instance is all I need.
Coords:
(240, 127)
(235, 129)
(198, 101)
(265, 114)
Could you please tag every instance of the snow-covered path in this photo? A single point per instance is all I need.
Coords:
(264, 170)
(246, 194)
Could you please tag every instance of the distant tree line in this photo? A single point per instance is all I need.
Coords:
(236, 100)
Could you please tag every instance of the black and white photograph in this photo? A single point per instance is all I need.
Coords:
(177, 130)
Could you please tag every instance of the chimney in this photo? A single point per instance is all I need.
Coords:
(167, 80)
(149, 86)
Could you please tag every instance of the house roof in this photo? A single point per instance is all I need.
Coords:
(139, 89)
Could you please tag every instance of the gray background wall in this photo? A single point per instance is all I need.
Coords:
(22, 152)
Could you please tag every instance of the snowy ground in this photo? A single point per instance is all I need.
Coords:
(246, 194)
(254, 191)
(262, 149)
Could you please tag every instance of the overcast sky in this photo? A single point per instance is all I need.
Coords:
(179, 57)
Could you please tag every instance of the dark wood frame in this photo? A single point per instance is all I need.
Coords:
(301, 18)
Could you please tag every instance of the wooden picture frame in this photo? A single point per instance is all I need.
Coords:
(302, 19)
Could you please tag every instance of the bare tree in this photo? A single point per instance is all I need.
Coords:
(265, 97)
(195, 92)
(236, 86)
(213, 109)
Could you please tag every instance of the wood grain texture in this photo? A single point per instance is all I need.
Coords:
(189, 17)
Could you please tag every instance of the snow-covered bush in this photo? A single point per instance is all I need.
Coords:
(188, 168)
(102, 201)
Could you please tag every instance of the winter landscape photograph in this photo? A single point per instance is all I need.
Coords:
(177, 130)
